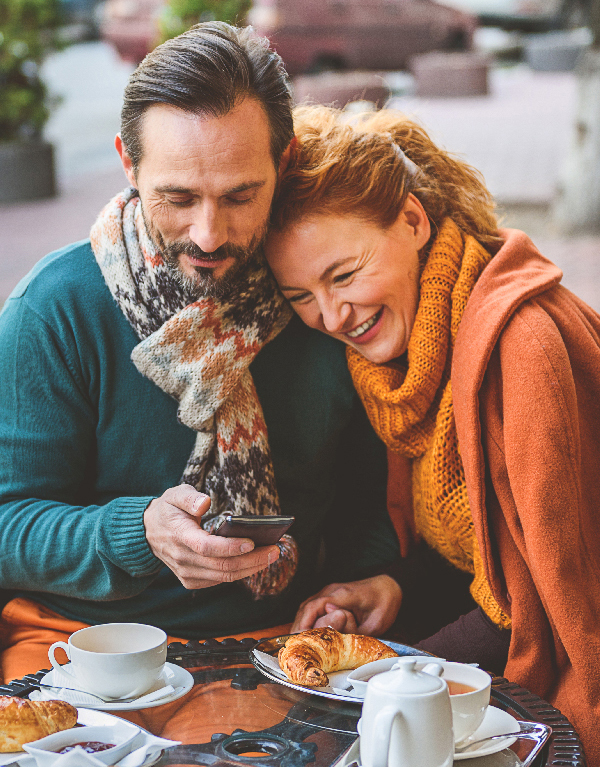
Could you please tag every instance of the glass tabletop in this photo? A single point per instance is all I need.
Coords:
(234, 716)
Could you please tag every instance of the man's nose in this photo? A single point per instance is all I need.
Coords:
(335, 314)
(208, 229)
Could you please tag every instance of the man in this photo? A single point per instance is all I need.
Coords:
(161, 353)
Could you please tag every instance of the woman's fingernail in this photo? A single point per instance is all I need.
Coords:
(246, 547)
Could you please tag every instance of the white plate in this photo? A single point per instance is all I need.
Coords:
(338, 679)
(180, 678)
(495, 722)
(85, 716)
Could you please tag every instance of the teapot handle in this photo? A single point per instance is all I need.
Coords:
(382, 731)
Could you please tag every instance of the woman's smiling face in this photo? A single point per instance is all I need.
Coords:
(353, 280)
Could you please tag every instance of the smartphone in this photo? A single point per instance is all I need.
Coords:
(264, 531)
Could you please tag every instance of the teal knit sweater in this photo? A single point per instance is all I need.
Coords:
(86, 442)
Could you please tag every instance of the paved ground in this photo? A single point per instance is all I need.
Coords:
(517, 136)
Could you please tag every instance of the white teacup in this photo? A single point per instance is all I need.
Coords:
(469, 689)
(115, 660)
(468, 707)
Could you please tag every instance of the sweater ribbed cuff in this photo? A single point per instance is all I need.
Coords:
(124, 525)
(393, 569)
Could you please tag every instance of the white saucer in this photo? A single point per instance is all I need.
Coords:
(87, 717)
(495, 722)
(180, 678)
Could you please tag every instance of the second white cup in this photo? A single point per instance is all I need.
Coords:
(469, 689)
(115, 660)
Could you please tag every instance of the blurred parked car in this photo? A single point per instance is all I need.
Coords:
(130, 25)
(313, 35)
(526, 15)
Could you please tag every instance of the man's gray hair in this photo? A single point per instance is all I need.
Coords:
(207, 71)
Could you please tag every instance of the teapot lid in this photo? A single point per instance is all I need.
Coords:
(404, 679)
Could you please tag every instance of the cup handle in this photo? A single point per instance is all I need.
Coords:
(55, 664)
(382, 732)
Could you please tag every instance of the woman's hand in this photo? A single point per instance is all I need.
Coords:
(359, 607)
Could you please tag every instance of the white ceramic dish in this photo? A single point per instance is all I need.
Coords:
(495, 722)
(359, 677)
(85, 716)
(179, 678)
(336, 690)
(121, 734)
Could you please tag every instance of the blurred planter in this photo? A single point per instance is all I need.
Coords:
(447, 74)
(178, 15)
(340, 88)
(28, 33)
(26, 171)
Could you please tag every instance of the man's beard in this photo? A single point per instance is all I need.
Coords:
(203, 283)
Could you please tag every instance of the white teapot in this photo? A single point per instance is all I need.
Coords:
(407, 719)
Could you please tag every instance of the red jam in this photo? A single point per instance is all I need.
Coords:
(90, 746)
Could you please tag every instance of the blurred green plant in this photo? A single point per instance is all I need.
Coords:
(28, 33)
(179, 15)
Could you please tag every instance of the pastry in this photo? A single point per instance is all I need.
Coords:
(308, 657)
(22, 721)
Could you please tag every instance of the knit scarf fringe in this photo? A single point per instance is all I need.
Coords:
(199, 352)
(410, 407)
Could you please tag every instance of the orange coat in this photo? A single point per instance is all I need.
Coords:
(526, 395)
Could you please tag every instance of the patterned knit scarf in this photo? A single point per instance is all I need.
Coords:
(411, 408)
(199, 351)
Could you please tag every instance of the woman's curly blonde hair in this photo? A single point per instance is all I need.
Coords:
(368, 167)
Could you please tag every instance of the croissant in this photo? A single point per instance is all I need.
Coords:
(22, 721)
(308, 657)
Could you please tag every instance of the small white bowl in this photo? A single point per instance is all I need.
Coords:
(361, 675)
(122, 734)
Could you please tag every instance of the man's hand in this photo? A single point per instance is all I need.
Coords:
(359, 607)
(197, 558)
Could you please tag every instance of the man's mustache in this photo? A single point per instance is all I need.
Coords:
(174, 250)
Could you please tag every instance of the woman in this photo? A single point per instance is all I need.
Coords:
(473, 363)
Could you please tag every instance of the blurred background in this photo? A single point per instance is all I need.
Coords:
(513, 86)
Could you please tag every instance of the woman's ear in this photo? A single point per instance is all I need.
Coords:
(415, 216)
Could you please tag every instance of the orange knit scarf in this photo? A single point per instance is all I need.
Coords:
(410, 407)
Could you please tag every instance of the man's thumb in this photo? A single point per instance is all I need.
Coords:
(199, 505)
